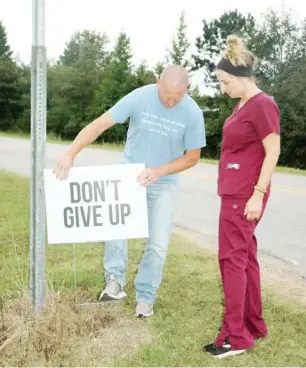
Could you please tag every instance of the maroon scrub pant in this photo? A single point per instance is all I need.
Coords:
(243, 321)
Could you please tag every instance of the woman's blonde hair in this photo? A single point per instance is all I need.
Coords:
(237, 53)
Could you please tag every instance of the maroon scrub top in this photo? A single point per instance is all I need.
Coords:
(242, 151)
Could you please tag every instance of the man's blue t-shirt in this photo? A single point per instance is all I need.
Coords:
(156, 134)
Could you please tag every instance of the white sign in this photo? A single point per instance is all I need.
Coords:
(96, 203)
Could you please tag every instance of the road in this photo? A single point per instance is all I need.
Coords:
(281, 234)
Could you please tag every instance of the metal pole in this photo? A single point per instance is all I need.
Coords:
(38, 143)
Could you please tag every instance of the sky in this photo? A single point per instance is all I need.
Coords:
(150, 25)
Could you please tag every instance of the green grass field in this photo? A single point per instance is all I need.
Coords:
(119, 147)
(187, 313)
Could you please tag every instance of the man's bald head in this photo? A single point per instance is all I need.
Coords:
(175, 76)
(172, 85)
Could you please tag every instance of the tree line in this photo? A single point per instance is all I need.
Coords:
(88, 78)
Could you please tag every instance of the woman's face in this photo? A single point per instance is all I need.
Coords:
(231, 85)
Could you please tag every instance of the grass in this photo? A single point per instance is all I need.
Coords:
(120, 146)
(187, 313)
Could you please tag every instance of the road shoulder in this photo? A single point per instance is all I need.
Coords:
(277, 276)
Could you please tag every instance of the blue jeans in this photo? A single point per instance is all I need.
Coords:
(160, 199)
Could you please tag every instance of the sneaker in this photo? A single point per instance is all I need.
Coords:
(210, 348)
(225, 352)
(144, 309)
(112, 291)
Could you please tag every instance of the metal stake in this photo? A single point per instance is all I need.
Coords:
(38, 144)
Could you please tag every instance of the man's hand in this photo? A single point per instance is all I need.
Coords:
(149, 176)
(63, 166)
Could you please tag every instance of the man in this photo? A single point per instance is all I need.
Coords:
(166, 132)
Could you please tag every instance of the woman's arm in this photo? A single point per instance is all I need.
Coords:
(272, 149)
(253, 207)
(267, 125)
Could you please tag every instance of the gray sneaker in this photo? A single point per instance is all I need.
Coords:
(144, 309)
(112, 291)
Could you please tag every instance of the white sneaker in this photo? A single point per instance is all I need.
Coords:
(226, 351)
(144, 309)
(112, 291)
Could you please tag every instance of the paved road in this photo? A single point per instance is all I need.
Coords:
(281, 234)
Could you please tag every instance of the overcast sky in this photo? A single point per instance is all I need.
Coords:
(150, 25)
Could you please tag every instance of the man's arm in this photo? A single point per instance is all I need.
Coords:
(86, 136)
(194, 139)
(90, 133)
(190, 158)
(117, 114)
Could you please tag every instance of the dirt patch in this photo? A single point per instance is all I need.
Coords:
(68, 334)
(279, 277)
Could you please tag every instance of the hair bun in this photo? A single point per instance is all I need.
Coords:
(236, 50)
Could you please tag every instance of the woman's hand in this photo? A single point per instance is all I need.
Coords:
(253, 208)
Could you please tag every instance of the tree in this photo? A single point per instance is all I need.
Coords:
(23, 122)
(158, 69)
(180, 45)
(142, 76)
(85, 47)
(65, 90)
(116, 75)
(213, 40)
(5, 50)
(278, 45)
(302, 41)
(9, 94)
(73, 82)
(290, 94)
(116, 81)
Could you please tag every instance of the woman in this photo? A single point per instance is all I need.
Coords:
(249, 154)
